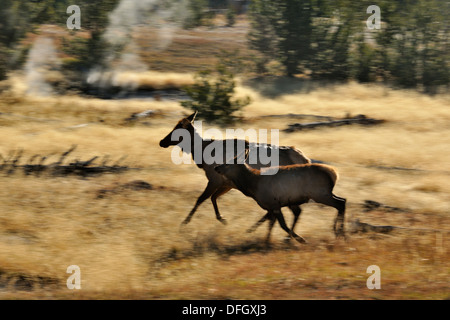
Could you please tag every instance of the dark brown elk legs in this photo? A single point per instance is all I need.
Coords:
(280, 218)
(259, 222)
(268, 216)
(340, 206)
(271, 218)
(296, 210)
(210, 189)
(218, 193)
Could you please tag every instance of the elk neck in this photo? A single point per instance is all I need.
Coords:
(198, 145)
(245, 179)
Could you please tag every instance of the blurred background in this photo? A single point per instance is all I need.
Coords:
(326, 40)
(84, 181)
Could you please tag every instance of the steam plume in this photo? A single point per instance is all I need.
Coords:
(161, 16)
(42, 60)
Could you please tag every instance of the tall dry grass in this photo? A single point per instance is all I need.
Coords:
(128, 243)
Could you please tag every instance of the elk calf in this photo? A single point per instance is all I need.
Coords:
(290, 185)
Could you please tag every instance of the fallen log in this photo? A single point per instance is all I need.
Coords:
(140, 115)
(359, 119)
(84, 171)
(362, 227)
(370, 205)
(59, 168)
(296, 116)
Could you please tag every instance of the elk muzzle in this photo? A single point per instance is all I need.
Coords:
(163, 143)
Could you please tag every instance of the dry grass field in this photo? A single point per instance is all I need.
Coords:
(126, 237)
(128, 241)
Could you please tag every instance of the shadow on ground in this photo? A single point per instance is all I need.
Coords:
(201, 247)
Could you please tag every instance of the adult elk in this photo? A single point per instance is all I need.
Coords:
(217, 183)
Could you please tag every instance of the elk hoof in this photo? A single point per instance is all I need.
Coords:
(341, 235)
(300, 239)
(224, 221)
(185, 222)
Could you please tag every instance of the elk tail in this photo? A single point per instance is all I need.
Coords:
(330, 171)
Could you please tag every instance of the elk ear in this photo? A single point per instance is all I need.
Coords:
(192, 117)
(246, 155)
(242, 157)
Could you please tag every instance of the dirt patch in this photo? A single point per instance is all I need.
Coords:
(135, 185)
(25, 282)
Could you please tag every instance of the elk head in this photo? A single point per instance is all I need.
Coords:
(186, 124)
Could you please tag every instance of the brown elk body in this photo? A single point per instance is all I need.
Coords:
(219, 184)
(290, 185)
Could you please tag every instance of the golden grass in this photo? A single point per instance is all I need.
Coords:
(153, 80)
(129, 244)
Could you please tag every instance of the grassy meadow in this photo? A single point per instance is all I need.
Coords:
(129, 244)
(128, 241)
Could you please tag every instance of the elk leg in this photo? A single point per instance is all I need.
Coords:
(216, 194)
(259, 222)
(283, 225)
(210, 189)
(340, 206)
(271, 217)
(296, 210)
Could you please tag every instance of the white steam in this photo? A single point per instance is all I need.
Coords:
(41, 63)
(160, 18)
